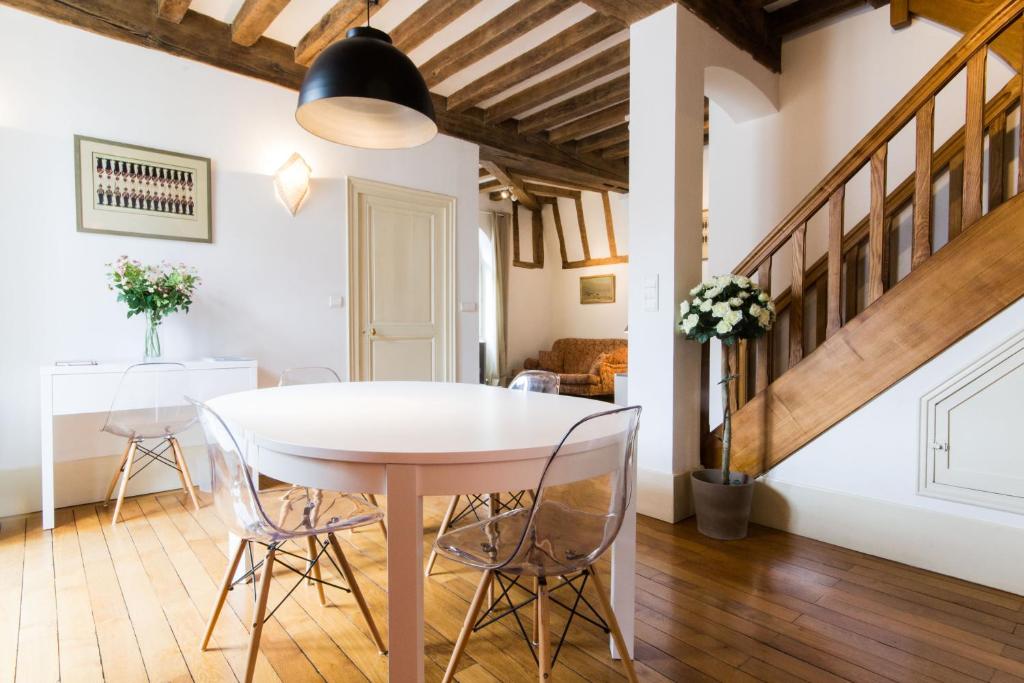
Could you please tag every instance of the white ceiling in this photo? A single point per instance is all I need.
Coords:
(300, 15)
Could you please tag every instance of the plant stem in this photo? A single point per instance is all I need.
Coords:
(726, 428)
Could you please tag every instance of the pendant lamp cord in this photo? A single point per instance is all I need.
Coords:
(368, 3)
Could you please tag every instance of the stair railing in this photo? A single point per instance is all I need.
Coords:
(961, 156)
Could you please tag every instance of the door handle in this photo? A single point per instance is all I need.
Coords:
(373, 331)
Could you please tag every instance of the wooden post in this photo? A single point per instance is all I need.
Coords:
(833, 312)
(852, 282)
(763, 345)
(921, 247)
(876, 227)
(996, 161)
(796, 297)
(974, 132)
(821, 295)
(899, 13)
(956, 195)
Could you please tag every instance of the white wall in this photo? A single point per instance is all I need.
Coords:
(856, 484)
(267, 276)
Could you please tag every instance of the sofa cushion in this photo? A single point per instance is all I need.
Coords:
(578, 354)
(579, 378)
(601, 359)
(551, 360)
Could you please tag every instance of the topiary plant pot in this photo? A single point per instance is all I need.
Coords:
(723, 512)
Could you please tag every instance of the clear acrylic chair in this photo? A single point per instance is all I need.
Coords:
(150, 405)
(539, 381)
(559, 537)
(271, 518)
(321, 375)
(308, 375)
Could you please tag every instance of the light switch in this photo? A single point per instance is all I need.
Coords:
(649, 292)
(468, 307)
(335, 301)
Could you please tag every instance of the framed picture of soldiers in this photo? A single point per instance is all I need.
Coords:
(125, 189)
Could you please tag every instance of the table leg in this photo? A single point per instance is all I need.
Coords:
(405, 575)
(624, 575)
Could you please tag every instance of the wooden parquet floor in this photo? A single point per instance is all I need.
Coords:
(88, 602)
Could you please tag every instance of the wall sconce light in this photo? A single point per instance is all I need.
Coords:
(291, 182)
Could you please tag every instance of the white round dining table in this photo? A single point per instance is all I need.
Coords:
(407, 440)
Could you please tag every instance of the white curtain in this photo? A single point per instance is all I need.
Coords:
(493, 295)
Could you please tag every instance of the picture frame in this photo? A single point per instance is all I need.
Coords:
(597, 289)
(130, 190)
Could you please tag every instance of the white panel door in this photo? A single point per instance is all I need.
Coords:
(970, 448)
(401, 260)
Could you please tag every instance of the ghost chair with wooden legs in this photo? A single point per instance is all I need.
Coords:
(477, 506)
(270, 518)
(150, 410)
(320, 375)
(556, 541)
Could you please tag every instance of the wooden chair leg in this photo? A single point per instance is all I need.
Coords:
(467, 627)
(613, 624)
(493, 507)
(350, 577)
(373, 501)
(536, 610)
(127, 470)
(117, 473)
(185, 476)
(225, 586)
(543, 632)
(259, 613)
(445, 521)
(315, 568)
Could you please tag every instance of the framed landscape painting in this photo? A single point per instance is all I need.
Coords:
(597, 289)
(130, 190)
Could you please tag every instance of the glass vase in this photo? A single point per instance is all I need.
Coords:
(152, 351)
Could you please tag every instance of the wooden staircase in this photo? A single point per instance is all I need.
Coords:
(864, 348)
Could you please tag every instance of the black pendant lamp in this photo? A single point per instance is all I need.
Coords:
(364, 92)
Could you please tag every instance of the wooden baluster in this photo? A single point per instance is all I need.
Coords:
(1020, 149)
(833, 312)
(974, 132)
(852, 281)
(996, 161)
(921, 247)
(876, 227)
(763, 345)
(796, 297)
(956, 195)
(820, 309)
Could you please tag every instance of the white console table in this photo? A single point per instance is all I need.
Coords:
(81, 389)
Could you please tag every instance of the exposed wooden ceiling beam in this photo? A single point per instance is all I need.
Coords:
(510, 181)
(490, 185)
(426, 20)
(602, 64)
(587, 102)
(172, 10)
(207, 40)
(628, 11)
(742, 24)
(253, 19)
(804, 13)
(580, 36)
(604, 139)
(332, 26)
(517, 20)
(552, 191)
(619, 151)
(588, 125)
